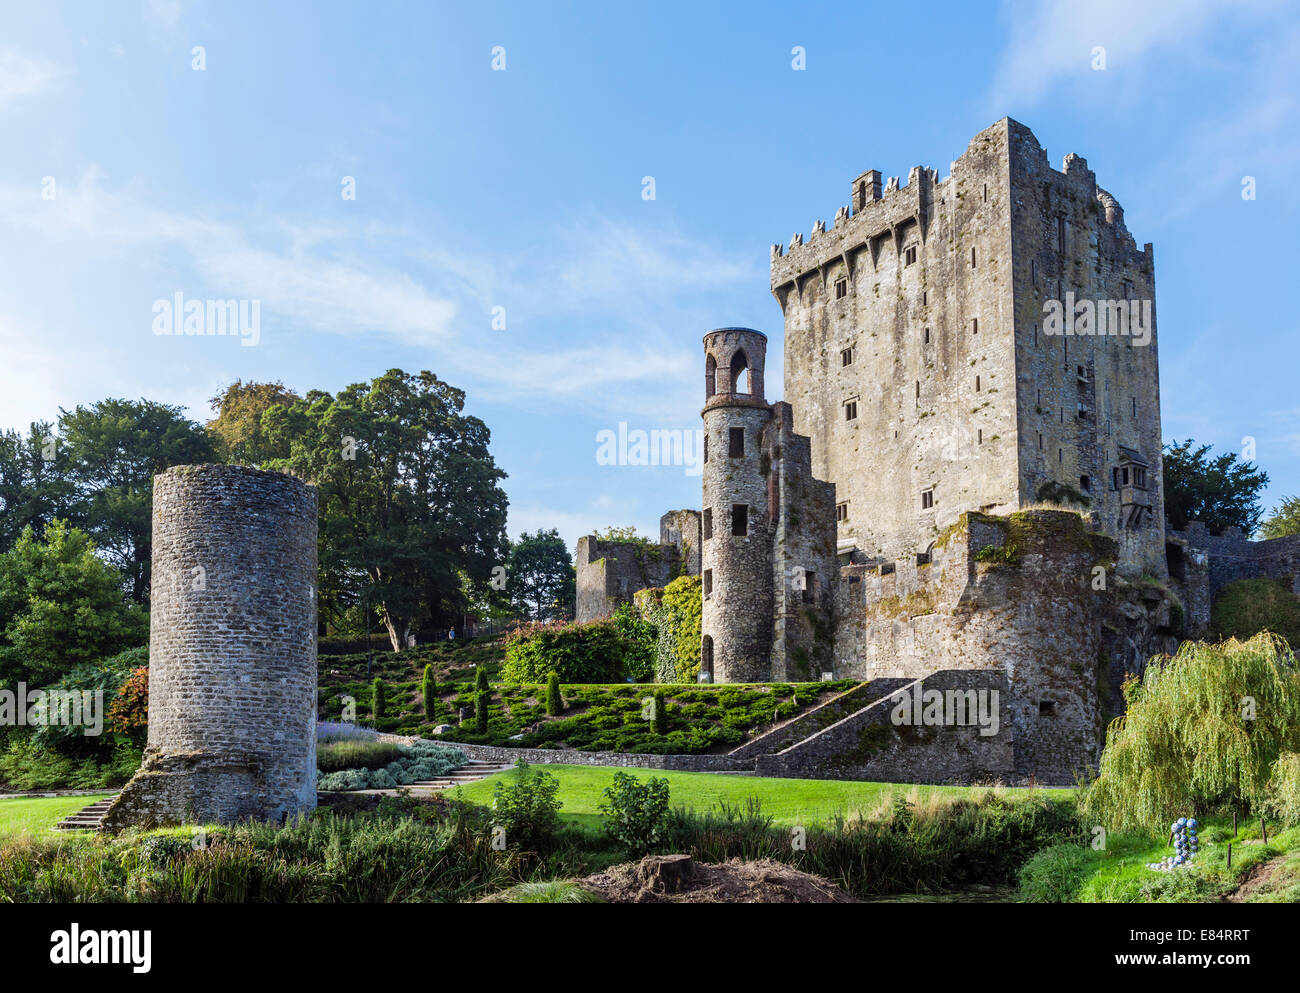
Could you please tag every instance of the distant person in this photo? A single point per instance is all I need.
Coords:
(451, 634)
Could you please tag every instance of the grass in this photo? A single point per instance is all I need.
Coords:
(788, 801)
(33, 816)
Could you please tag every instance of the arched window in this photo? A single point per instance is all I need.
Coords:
(739, 373)
(710, 375)
(706, 659)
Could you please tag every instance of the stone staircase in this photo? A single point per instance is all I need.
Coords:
(88, 818)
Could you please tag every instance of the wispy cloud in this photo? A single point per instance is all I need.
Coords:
(23, 75)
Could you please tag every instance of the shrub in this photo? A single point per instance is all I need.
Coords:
(527, 808)
(481, 712)
(429, 689)
(1185, 743)
(338, 755)
(639, 641)
(379, 706)
(577, 653)
(659, 713)
(128, 714)
(636, 812)
(1283, 799)
(1055, 874)
(415, 763)
(1249, 606)
(554, 702)
(481, 683)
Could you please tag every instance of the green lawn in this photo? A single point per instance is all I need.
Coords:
(789, 801)
(35, 815)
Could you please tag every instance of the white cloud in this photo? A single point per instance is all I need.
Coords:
(22, 75)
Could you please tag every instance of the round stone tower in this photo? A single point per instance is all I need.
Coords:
(736, 563)
(232, 650)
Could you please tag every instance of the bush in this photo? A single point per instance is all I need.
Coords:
(429, 689)
(679, 630)
(481, 704)
(554, 702)
(339, 755)
(577, 653)
(639, 640)
(527, 808)
(481, 683)
(1245, 608)
(636, 812)
(380, 705)
(415, 763)
(26, 766)
(1055, 874)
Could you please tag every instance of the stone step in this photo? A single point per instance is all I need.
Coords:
(89, 818)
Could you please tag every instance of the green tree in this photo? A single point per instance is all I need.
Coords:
(1283, 521)
(114, 449)
(481, 703)
(1201, 733)
(379, 706)
(34, 484)
(660, 714)
(410, 497)
(554, 701)
(60, 605)
(429, 690)
(481, 679)
(237, 429)
(540, 579)
(1218, 491)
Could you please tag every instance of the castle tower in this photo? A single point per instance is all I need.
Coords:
(232, 651)
(923, 360)
(737, 527)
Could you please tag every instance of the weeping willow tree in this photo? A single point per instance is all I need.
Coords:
(1202, 732)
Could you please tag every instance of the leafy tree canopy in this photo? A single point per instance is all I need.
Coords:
(237, 428)
(1284, 520)
(61, 605)
(540, 578)
(34, 485)
(410, 496)
(1218, 491)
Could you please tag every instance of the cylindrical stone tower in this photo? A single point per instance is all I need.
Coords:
(736, 626)
(232, 650)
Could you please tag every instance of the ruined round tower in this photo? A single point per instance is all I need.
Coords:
(736, 626)
(232, 650)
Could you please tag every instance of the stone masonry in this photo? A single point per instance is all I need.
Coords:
(610, 572)
(232, 651)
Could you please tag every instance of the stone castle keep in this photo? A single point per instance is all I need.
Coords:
(892, 519)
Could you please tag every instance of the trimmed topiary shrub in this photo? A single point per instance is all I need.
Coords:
(481, 703)
(554, 702)
(577, 653)
(379, 704)
(429, 690)
(659, 715)
(481, 684)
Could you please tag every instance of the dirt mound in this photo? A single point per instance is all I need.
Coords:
(680, 879)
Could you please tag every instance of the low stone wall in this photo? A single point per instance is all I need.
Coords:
(626, 760)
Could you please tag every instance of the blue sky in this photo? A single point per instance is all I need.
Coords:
(523, 188)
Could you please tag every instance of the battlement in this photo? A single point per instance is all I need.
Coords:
(875, 213)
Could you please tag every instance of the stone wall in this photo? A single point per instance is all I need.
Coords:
(232, 651)
(1201, 564)
(611, 572)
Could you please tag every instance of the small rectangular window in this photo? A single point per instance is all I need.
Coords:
(846, 356)
(841, 288)
(972, 257)
(706, 448)
(1033, 272)
(1135, 406)
(909, 255)
(842, 511)
(739, 520)
(927, 336)
(925, 298)
(737, 438)
(927, 499)
(977, 384)
(1046, 708)
(708, 581)
(850, 410)
(974, 325)
(708, 523)
(809, 587)
(1060, 234)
